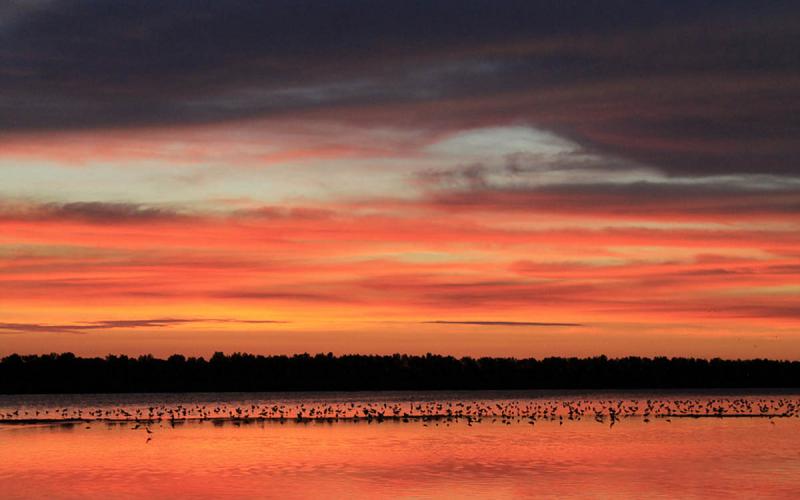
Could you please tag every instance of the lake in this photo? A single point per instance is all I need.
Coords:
(506, 445)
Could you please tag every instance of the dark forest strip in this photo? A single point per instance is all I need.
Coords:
(66, 373)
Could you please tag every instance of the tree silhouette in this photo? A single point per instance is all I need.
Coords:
(66, 373)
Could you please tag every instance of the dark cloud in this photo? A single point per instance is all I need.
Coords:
(110, 212)
(138, 323)
(501, 323)
(39, 328)
(95, 212)
(80, 328)
(673, 200)
(691, 87)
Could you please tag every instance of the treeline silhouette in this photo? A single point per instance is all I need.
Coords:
(66, 373)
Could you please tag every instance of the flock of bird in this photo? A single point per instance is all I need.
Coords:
(470, 412)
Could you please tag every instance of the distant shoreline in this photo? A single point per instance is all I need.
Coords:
(68, 374)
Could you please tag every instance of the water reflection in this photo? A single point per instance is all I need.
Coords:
(741, 457)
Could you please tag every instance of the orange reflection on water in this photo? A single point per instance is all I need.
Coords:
(683, 458)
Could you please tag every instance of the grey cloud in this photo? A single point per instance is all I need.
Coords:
(742, 197)
(691, 87)
(110, 212)
(85, 327)
(96, 212)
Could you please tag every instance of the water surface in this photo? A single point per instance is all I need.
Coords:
(494, 457)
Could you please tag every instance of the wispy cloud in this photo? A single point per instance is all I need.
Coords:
(502, 323)
(88, 211)
(85, 327)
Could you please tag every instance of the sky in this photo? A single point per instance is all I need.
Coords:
(483, 178)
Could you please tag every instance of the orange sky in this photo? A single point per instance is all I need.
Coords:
(451, 263)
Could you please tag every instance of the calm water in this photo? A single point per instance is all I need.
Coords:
(493, 458)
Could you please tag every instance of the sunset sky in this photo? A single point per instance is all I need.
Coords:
(525, 178)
